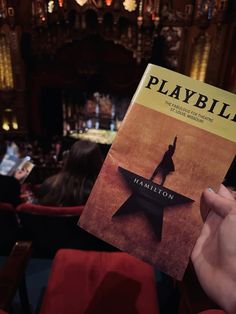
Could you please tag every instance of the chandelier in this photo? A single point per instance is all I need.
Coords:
(148, 6)
(135, 24)
(131, 23)
(141, 9)
(129, 5)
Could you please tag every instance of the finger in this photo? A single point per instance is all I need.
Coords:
(209, 228)
(219, 204)
(223, 191)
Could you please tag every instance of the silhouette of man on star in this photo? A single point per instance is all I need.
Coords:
(166, 165)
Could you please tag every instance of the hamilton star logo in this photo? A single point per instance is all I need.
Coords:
(150, 197)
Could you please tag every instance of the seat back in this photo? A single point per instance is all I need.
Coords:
(49, 228)
(193, 298)
(213, 312)
(91, 282)
(9, 228)
(12, 277)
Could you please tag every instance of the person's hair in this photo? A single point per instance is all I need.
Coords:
(3, 147)
(72, 185)
(84, 159)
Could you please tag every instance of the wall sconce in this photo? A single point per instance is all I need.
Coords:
(5, 125)
(9, 120)
(14, 123)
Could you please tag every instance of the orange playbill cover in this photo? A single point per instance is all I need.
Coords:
(178, 137)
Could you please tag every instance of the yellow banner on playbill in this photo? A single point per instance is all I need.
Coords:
(188, 100)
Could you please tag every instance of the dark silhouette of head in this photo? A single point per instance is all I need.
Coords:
(171, 149)
(3, 148)
(84, 158)
(73, 184)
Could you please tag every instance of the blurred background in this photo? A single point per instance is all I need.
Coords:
(67, 66)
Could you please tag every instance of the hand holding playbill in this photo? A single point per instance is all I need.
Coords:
(214, 255)
(15, 166)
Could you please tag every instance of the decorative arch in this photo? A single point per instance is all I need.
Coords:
(6, 71)
(201, 52)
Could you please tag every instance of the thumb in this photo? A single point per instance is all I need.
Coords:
(221, 205)
(223, 191)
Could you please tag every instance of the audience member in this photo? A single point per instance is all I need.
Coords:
(10, 187)
(72, 185)
(214, 255)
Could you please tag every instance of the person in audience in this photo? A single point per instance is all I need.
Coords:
(12, 148)
(214, 255)
(10, 187)
(72, 185)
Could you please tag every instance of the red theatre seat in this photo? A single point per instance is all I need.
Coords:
(212, 312)
(49, 228)
(9, 228)
(12, 277)
(89, 282)
(52, 228)
(50, 210)
(6, 205)
(193, 299)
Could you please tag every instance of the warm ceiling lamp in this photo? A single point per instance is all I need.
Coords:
(130, 5)
(108, 2)
(81, 2)
(5, 126)
(96, 3)
(14, 123)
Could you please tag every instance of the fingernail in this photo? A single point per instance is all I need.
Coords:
(210, 190)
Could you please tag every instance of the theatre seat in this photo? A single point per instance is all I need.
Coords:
(50, 210)
(51, 228)
(88, 282)
(193, 299)
(9, 228)
(12, 277)
(212, 312)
